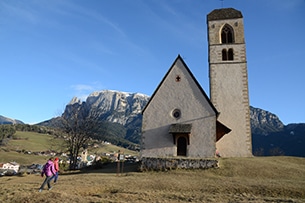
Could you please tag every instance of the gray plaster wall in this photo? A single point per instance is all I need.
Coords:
(195, 109)
(229, 95)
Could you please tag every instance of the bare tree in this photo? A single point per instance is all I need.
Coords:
(79, 126)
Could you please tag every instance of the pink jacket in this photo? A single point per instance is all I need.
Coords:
(56, 167)
(48, 169)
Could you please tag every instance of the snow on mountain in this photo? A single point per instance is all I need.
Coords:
(114, 106)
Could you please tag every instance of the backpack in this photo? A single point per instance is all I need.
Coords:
(46, 168)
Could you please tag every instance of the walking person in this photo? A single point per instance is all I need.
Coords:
(49, 171)
(56, 168)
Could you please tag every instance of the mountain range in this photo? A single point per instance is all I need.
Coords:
(120, 113)
(5, 120)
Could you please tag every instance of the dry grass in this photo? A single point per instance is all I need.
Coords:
(265, 179)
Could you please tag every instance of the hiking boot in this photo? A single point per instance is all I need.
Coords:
(50, 188)
(40, 190)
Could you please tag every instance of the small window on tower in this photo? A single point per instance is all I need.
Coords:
(227, 34)
(230, 55)
(224, 55)
(178, 78)
(227, 55)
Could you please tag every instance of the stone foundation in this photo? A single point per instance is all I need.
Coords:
(164, 164)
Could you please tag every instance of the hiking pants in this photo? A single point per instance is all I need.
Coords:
(55, 177)
(46, 181)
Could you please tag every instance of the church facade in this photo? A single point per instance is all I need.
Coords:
(180, 120)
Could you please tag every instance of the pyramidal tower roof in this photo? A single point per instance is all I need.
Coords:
(224, 13)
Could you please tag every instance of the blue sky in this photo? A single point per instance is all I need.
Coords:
(51, 51)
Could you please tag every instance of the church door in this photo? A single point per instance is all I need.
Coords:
(181, 146)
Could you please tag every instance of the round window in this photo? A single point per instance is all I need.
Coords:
(176, 113)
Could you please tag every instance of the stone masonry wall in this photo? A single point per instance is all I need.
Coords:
(164, 164)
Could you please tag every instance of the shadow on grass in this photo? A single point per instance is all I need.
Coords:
(107, 168)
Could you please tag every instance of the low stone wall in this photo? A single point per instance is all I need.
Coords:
(164, 164)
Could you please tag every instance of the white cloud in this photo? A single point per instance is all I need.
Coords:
(78, 10)
(82, 87)
(83, 90)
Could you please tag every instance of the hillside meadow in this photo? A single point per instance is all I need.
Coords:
(37, 142)
(263, 179)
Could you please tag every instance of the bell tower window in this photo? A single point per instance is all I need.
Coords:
(224, 55)
(230, 55)
(227, 34)
(227, 55)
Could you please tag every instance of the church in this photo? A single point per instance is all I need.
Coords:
(181, 121)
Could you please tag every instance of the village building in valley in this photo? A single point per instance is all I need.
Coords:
(181, 121)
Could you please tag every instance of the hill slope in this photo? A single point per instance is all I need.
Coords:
(254, 180)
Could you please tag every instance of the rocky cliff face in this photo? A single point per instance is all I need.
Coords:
(112, 106)
(264, 122)
(117, 107)
(121, 108)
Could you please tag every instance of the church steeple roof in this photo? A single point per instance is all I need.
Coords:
(224, 13)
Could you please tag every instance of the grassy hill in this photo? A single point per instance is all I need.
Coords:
(36, 142)
(263, 179)
(28, 142)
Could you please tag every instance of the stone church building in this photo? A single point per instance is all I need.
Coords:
(181, 121)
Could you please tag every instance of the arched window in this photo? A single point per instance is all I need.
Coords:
(227, 34)
(224, 55)
(230, 55)
(227, 55)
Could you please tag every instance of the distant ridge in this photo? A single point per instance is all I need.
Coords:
(5, 120)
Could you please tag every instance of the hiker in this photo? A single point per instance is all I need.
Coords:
(49, 171)
(56, 167)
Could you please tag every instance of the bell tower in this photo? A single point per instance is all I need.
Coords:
(229, 80)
